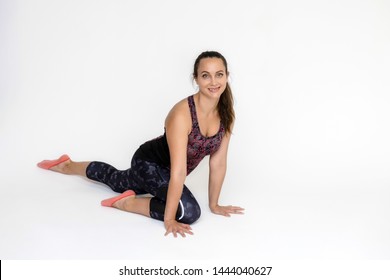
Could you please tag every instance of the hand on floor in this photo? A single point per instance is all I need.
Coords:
(175, 228)
(227, 210)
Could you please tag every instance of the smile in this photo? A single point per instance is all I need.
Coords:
(214, 89)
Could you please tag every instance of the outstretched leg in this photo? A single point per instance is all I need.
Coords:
(119, 181)
(143, 177)
(65, 165)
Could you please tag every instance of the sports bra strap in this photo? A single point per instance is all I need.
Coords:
(191, 104)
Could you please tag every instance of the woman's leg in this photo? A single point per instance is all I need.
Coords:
(143, 177)
(118, 181)
(188, 210)
(154, 180)
(121, 181)
(133, 204)
(64, 165)
(70, 167)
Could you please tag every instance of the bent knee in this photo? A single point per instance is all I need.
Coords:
(190, 214)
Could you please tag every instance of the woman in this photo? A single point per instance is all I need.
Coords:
(197, 126)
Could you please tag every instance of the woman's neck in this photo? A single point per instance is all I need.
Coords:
(206, 106)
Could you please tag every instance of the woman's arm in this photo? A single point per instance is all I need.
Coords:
(218, 165)
(177, 129)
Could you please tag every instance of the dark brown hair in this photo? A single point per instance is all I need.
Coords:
(225, 104)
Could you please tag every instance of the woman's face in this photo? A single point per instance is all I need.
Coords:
(212, 77)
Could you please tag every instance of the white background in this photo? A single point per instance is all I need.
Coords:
(309, 160)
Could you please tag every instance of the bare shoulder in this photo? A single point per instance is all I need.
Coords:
(179, 113)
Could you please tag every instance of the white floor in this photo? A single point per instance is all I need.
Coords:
(309, 160)
(45, 215)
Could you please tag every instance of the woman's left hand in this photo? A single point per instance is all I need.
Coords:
(227, 210)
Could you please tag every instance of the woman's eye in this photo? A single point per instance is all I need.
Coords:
(204, 76)
(220, 75)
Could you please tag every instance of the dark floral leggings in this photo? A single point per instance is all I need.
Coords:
(146, 178)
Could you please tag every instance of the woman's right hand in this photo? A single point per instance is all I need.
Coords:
(175, 228)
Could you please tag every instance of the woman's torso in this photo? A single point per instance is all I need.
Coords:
(199, 146)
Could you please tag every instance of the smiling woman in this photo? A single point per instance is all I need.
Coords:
(212, 68)
(196, 126)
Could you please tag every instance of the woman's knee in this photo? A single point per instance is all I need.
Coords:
(190, 212)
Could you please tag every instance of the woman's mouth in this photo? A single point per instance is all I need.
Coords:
(214, 90)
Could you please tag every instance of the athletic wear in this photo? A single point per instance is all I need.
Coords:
(146, 177)
(198, 147)
(150, 170)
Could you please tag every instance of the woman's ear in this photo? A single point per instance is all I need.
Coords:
(195, 83)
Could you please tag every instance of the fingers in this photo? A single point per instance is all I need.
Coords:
(182, 232)
(227, 210)
(179, 228)
(237, 210)
(176, 232)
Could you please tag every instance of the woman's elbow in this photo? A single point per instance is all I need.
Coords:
(218, 164)
(178, 175)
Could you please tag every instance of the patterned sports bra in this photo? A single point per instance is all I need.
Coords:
(198, 145)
